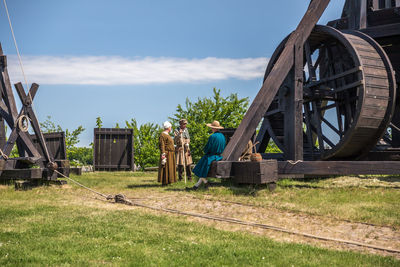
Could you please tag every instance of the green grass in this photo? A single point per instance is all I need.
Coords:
(372, 199)
(48, 226)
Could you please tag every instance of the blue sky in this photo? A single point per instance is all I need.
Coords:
(139, 59)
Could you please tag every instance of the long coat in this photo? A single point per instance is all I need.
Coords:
(213, 150)
(167, 172)
(182, 153)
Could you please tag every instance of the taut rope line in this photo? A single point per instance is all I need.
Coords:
(16, 45)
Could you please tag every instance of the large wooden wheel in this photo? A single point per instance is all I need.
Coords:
(348, 96)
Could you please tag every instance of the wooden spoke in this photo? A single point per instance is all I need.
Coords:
(331, 126)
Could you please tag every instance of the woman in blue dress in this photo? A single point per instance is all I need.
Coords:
(213, 150)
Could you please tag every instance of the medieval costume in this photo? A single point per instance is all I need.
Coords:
(213, 150)
(182, 150)
(167, 164)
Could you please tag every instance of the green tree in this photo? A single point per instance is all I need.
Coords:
(146, 151)
(99, 122)
(229, 111)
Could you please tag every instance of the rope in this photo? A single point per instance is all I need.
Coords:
(81, 185)
(294, 162)
(3, 155)
(120, 198)
(265, 226)
(20, 123)
(15, 43)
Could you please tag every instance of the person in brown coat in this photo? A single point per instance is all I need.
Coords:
(167, 165)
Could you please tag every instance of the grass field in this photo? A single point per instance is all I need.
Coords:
(57, 226)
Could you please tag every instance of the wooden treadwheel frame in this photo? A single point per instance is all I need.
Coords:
(346, 72)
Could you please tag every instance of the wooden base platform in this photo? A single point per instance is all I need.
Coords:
(268, 171)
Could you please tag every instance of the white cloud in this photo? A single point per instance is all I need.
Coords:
(114, 70)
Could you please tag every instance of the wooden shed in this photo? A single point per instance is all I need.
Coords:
(113, 149)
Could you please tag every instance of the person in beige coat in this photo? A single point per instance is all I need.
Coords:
(182, 150)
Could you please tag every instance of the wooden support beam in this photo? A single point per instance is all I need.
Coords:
(294, 113)
(339, 167)
(22, 174)
(274, 80)
(383, 30)
(363, 14)
(375, 4)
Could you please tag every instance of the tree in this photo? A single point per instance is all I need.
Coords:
(146, 151)
(229, 111)
(99, 122)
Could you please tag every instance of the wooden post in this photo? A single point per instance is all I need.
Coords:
(272, 83)
(363, 14)
(375, 4)
(298, 103)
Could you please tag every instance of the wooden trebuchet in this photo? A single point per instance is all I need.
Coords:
(329, 97)
(19, 123)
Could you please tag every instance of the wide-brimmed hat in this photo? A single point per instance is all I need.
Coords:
(183, 121)
(215, 125)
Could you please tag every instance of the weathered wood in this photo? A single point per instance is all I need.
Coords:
(55, 143)
(274, 80)
(21, 174)
(262, 172)
(294, 112)
(363, 14)
(383, 30)
(339, 167)
(113, 149)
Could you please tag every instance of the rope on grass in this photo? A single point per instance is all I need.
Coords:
(119, 198)
(122, 199)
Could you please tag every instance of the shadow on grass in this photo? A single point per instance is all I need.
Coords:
(235, 189)
(144, 185)
(391, 179)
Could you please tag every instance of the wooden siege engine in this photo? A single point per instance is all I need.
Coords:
(23, 167)
(330, 98)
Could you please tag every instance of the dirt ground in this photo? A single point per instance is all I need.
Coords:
(381, 236)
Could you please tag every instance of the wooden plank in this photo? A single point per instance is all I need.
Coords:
(22, 174)
(39, 134)
(294, 113)
(339, 167)
(375, 4)
(363, 15)
(9, 96)
(272, 83)
(383, 31)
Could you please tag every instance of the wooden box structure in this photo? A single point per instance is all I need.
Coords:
(262, 172)
(113, 149)
(330, 95)
(55, 144)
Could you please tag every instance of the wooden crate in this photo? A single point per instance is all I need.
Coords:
(113, 149)
(262, 172)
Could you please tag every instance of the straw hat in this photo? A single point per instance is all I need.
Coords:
(215, 125)
(183, 121)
